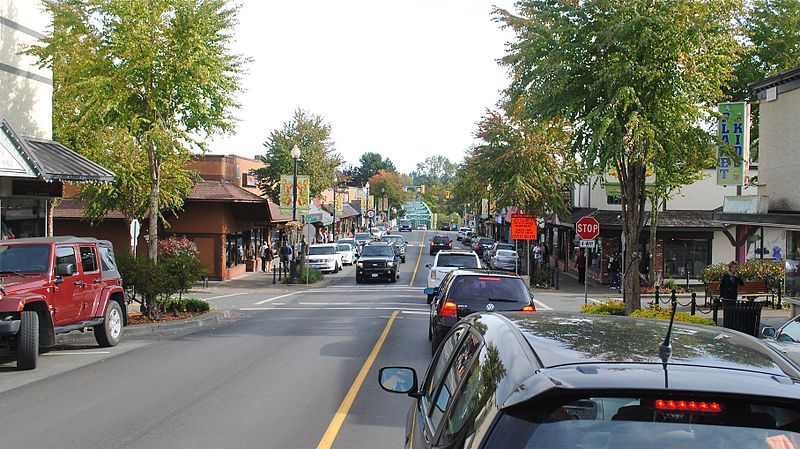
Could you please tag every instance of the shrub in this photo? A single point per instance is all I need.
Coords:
(305, 274)
(177, 305)
(752, 270)
(540, 278)
(608, 308)
(669, 285)
(664, 314)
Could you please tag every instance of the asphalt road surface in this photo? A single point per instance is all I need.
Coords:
(297, 370)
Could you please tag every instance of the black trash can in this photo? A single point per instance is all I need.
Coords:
(743, 316)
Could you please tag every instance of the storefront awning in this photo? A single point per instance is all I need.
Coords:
(776, 220)
(246, 205)
(674, 220)
(51, 161)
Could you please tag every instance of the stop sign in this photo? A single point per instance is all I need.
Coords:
(587, 228)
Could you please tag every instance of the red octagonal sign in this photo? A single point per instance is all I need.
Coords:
(587, 228)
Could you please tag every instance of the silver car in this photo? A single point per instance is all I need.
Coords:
(786, 339)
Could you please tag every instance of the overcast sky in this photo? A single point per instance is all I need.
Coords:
(407, 79)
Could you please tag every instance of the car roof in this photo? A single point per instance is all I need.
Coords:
(581, 352)
(483, 272)
(379, 243)
(57, 239)
(322, 245)
(457, 252)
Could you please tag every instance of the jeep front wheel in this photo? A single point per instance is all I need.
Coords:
(28, 340)
(109, 332)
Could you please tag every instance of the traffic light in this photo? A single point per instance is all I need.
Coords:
(447, 194)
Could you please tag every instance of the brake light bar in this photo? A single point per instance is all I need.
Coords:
(450, 309)
(690, 406)
(529, 309)
(484, 278)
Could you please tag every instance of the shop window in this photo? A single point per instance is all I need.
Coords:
(234, 249)
(792, 279)
(614, 199)
(685, 255)
(593, 256)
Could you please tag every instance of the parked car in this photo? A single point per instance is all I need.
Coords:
(461, 232)
(378, 261)
(785, 339)
(481, 245)
(347, 252)
(505, 260)
(447, 261)
(54, 285)
(465, 291)
(487, 255)
(324, 257)
(517, 380)
(405, 226)
(399, 242)
(440, 242)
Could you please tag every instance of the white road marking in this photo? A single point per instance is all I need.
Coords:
(274, 298)
(362, 304)
(415, 312)
(542, 305)
(228, 295)
(78, 353)
(326, 308)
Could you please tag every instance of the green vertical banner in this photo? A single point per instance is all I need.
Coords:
(734, 129)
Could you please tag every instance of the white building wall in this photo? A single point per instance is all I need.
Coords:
(779, 145)
(26, 90)
(721, 248)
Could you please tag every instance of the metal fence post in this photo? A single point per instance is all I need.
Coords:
(694, 303)
(274, 274)
(715, 310)
(657, 300)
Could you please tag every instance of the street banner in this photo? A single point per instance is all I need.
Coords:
(339, 206)
(484, 208)
(371, 202)
(734, 129)
(523, 227)
(613, 186)
(303, 199)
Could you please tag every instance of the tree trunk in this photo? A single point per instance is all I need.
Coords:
(633, 200)
(152, 211)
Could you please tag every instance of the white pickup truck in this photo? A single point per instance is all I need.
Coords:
(447, 261)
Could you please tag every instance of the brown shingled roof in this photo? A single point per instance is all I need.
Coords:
(72, 208)
(276, 215)
(221, 191)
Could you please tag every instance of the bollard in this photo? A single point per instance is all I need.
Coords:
(274, 274)
(557, 279)
(715, 305)
(674, 300)
(657, 300)
(694, 303)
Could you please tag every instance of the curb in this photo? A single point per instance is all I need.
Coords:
(152, 329)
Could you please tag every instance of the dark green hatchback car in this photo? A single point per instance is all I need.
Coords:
(575, 381)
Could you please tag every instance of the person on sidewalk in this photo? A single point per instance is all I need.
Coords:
(580, 264)
(730, 282)
(262, 252)
(613, 269)
(267, 257)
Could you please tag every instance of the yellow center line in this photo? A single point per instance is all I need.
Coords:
(414, 275)
(344, 408)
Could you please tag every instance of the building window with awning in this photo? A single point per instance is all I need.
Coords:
(685, 255)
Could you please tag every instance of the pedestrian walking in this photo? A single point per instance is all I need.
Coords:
(286, 252)
(580, 264)
(613, 269)
(262, 252)
(267, 255)
(730, 282)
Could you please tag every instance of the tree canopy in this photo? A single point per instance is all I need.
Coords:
(370, 164)
(318, 159)
(434, 170)
(386, 184)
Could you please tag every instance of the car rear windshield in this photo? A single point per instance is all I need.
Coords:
(441, 239)
(672, 422)
(457, 261)
(372, 250)
(505, 246)
(506, 253)
(24, 258)
(362, 236)
(321, 250)
(393, 238)
(344, 247)
(488, 288)
(486, 241)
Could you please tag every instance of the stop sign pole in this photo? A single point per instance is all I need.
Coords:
(587, 229)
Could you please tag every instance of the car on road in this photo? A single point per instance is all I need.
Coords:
(481, 245)
(347, 252)
(54, 285)
(404, 226)
(362, 238)
(440, 242)
(378, 261)
(465, 291)
(376, 232)
(504, 259)
(468, 237)
(517, 380)
(399, 242)
(324, 257)
(786, 338)
(444, 226)
(422, 227)
(461, 232)
(447, 261)
(487, 255)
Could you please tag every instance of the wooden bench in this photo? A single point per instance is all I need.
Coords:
(749, 291)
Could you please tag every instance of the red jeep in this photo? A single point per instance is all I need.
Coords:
(54, 285)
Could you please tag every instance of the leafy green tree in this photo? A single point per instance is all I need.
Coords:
(318, 159)
(386, 184)
(434, 170)
(635, 79)
(136, 86)
(369, 165)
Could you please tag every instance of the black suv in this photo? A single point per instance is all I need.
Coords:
(445, 226)
(440, 242)
(482, 245)
(567, 381)
(465, 291)
(378, 261)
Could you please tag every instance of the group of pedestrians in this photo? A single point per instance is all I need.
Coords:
(267, 255)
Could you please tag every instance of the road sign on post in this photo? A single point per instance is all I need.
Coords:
(587, 228)
(523, 227)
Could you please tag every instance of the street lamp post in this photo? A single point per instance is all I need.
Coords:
(334, 207)
(366, 194)
(293, 266)
(490, 230)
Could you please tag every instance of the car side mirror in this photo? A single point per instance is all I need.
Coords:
(65, 269)
(769, 332)
(399, 379)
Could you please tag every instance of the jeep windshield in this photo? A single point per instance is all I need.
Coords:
(671, 421)
(24, 258)
(377, 251)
